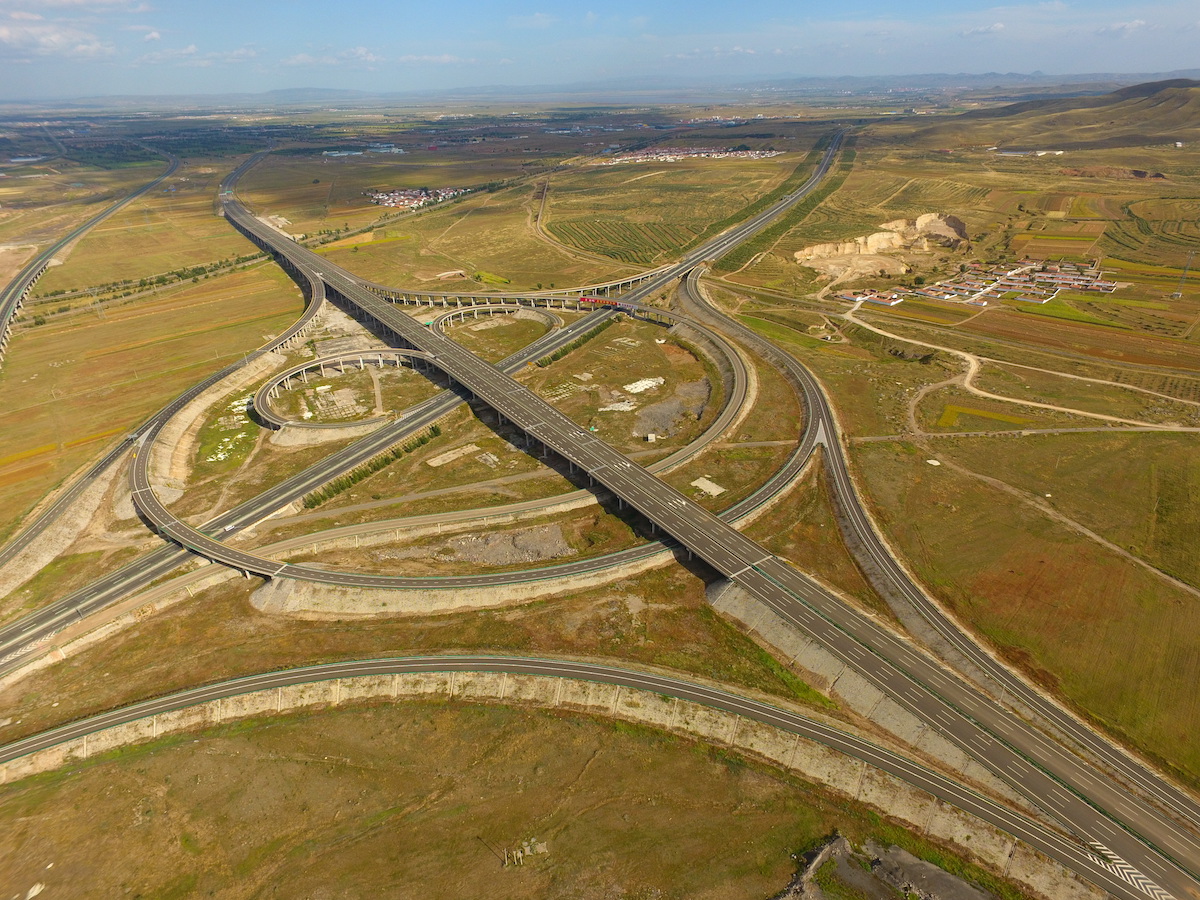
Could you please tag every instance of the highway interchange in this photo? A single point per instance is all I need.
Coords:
(1155, 854)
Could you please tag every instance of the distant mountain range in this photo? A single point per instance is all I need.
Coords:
(991, 85)
(1158, 112)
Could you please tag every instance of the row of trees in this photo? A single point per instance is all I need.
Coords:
(343, 483)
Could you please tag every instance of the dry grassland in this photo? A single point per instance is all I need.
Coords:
(952, 409)
(75, 385)
(172, 227)
(399, 388)
(1042, 387)
(497, 337)
(39, 207)
(533, 544)
(872, 396)
(485, 233)
(1156, 511)
(591, 385)
(658, 618)
(1114, 640)
(802, 529)
(413, 798)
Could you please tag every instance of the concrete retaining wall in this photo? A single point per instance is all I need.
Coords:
(845, 775)
(172, 452)
(312, 600)
(830, 675)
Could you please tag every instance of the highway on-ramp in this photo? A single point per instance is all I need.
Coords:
(19, 637)
(1095, 807)
(878, 559)
(1152, 855)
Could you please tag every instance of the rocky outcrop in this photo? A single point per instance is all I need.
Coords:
(875, 872)
(922, 233)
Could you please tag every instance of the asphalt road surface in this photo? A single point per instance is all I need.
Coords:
(1090, 863)
(874, 555)
(1150, 846)
(1147, 850)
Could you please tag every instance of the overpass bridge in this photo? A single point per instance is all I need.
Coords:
(1048, 775)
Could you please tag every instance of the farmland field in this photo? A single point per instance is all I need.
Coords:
(317, 193)
(1059, 308)
(1116, 345)
(645, 214)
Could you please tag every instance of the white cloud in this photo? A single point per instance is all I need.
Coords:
(304, 59)
(190, 56)
(443, 59)
(713, 53)
(353, 57)
(994, 28)
(360, 54)
(1122, 28)
(170, 54)
(53, 39)
(22, 16)
(152, 36)
(78, 5)
(537, 20)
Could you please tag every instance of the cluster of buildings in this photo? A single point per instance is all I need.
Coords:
(979, 285)
(413, 198)
(371, 148)
(674, 154)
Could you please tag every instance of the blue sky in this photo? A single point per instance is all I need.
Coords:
(68, 48)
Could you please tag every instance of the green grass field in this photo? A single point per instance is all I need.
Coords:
(1060, 309)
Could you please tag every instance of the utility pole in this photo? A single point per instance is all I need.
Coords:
(493, 851)
(1187, 265)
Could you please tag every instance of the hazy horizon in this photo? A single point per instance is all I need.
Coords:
(58, 49)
